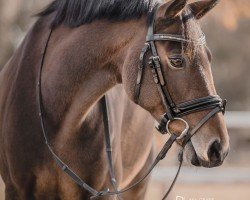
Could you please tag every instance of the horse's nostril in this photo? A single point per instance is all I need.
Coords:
(214, 152)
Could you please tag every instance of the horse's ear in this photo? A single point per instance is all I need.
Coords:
(175, 7)
(200, 8)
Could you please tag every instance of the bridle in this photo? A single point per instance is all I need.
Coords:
(173, 112)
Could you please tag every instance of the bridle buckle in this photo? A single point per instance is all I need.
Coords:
(223, 106)
(156, 58)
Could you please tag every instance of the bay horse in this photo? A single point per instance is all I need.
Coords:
(94, 46)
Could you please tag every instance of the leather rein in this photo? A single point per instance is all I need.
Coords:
(173, 112)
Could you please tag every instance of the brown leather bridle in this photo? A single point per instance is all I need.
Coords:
(173, 112)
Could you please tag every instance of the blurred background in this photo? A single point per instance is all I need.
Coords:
(227, 29)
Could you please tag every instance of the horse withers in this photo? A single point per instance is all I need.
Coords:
(94, 46)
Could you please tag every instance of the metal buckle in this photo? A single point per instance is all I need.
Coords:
(156, 58)
(223, 106)
(184, 132)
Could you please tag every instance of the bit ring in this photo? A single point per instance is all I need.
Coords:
(183, 133)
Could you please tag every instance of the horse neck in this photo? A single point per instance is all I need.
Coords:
(81, 65)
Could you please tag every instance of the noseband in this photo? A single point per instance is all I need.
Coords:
(173, 112)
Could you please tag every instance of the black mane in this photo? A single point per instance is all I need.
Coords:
(77, 12)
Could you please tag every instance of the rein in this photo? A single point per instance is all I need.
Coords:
(173, 112)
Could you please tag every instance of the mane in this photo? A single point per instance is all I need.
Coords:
(75, 13)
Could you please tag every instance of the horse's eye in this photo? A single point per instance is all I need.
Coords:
(176, 62)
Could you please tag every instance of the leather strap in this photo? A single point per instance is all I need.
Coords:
(159, 157)
(187, 138)
(175, 38)
(151, 19)
(72, 174)
(200, 124)
(68, 170)
(155, 66)
(140, 72)
(176, 176)
(108, 146)
(195, 105)
(60, 163)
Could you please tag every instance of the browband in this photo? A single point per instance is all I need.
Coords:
(175, 38)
